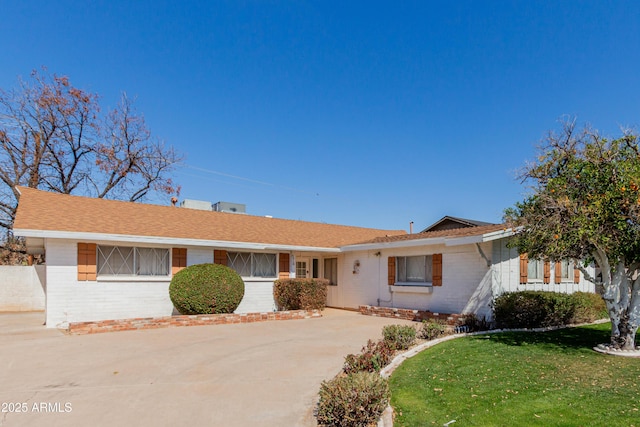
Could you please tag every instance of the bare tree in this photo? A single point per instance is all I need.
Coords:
(54, 137)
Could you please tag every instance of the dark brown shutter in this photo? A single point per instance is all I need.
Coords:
(87, 270)
(220, 256)
(437, 270)
(391, 270)
(178, 259)
(524, 268)
(547, 272)
(558, 273)
(283, 270)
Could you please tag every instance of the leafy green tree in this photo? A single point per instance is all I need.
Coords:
(585, 206)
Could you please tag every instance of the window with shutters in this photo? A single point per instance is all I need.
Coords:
(414, 270)
(535, 270)
(252, 264)
(414, 274)
(132, 261)
(566, 270)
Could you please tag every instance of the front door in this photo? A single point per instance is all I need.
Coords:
(302, 268)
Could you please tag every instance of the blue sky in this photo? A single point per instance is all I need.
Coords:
(361, 113)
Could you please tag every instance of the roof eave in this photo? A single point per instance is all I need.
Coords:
(173, 241)
(447, 241)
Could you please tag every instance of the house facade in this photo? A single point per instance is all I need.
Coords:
(108, 259)
(454, 270)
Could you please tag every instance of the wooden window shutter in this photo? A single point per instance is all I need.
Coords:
(87, 270)
(391, 270)
(283, 269)
(524, 268)
(220, 256)
(437, 270)
(576, 275)
(178, 259)
(558, 273)
(547, 272)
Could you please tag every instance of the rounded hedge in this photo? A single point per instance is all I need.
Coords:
(206, 289)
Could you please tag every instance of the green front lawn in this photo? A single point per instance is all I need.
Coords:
(519, 379)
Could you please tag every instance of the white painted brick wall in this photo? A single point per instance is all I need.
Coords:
(22, 288)
(69, 300)
(258, 297)
(361, 287)
(463, 272)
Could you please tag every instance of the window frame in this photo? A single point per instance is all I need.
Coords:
(428, 271)
(253, 264)
(539, 269)
(567, 266)
(102, 260)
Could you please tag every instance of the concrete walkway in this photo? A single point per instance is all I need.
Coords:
(261, 374)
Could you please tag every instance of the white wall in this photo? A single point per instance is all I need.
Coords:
(471, 276)
(72, 301)
(507, 267)
(22, 288)
(258, 296)
(466, 280)
(464, 272)
(69, 300)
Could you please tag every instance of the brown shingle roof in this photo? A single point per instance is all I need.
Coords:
(45, 211)
(456, 232)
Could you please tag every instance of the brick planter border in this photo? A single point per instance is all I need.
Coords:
(407, 314)
(99, 326)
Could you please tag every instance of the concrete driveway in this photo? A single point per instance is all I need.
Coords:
(260, 374)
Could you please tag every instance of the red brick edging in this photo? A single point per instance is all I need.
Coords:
(82, 328)
(407, 314)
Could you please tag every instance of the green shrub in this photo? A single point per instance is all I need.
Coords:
(355, 400)
(432, 329)
(400, 337)
(206, 289)
(588, 307)
(300, 294)
(372, 358)
(536, 309)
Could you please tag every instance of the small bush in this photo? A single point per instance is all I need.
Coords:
(206, 289)
(536, 309)
(400, 337)
(372, 358)
(300, 294)
(432, 329)
(355, 400)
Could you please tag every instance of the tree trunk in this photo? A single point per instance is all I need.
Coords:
(623, 306)
(625, 339)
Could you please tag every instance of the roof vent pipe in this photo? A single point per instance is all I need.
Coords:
(411, 227)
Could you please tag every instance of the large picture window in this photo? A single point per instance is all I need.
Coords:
(252, 264)
(130, 261)
(414, 269)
